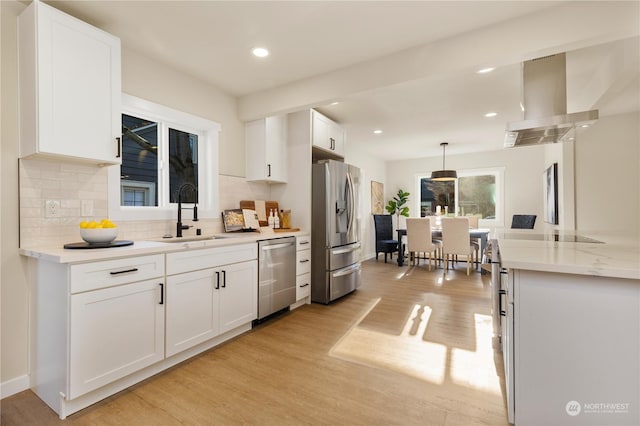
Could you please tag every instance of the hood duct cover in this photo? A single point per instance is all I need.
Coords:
(545, 105)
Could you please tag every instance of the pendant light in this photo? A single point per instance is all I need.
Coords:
(444, 175)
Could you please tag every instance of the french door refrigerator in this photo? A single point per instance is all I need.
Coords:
(335, 234)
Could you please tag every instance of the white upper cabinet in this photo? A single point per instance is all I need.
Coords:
(69, 87)
(327, 135)
(266, 149)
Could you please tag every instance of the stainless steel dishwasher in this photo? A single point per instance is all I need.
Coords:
(276, 275)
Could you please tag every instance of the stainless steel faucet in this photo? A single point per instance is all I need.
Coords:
(179, 226)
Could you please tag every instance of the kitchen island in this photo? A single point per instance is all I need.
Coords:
(571, 330)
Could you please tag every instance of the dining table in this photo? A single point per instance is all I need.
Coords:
(481, 233)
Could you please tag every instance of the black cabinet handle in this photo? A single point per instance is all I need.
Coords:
(124, 271)
(501, 293)
(304, 242)
(217, 280)
(304, 285)
(224, 279)
(119, 148)
(304, 260)
(268, 170)
(161, 293)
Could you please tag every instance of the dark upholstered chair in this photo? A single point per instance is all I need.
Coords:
(523, 221)
(384, 235)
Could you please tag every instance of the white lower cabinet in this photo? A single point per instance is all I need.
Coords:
(203, 304)
(211, 298)
(303, 269)
(114, 332)
(100, 327)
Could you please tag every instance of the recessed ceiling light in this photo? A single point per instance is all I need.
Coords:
(585, 125)
(485, 70)
(260, 52)
(377, 132)
(491, 114)
(334, 103)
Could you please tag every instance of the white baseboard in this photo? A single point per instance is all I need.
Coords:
(14, 386)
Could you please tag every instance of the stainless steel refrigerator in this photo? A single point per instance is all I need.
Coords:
(335, 234)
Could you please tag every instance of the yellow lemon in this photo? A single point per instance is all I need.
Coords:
(92, 225)
(106, 223)
(84, 224)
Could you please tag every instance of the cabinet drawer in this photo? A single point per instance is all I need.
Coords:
(303, 286)
(95, 275)
(303, 262)
(303, 242)
(193, 260)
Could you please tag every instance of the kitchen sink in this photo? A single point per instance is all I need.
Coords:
(185, 239)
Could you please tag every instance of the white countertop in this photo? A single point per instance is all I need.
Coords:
(142, 248)
(619, 260)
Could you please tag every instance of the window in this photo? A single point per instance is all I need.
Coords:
(476, 192)
(166, 155)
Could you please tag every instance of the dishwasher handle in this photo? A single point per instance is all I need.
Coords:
(277, 246)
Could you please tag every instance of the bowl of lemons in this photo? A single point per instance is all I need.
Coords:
(101, 232)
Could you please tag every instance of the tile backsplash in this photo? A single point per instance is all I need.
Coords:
(67, 184)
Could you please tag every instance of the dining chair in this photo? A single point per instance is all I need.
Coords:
(473, 224)
(456, 240)
(385, 243)
(523, 221)
(419, 240)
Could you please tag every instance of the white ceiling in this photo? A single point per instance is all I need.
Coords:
(211, 40)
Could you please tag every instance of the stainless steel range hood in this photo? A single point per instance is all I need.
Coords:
(545, 105)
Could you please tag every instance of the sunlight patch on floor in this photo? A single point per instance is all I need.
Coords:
(471, 368)
(408, 353)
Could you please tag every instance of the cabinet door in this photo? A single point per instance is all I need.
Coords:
(336, 136)
(320, 134)
(238, 295)
(266, 149)
(113, 333)
(75, 110)
(192, 309)
(276, 144)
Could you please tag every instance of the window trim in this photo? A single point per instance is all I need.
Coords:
(208, 134)
(498, 172)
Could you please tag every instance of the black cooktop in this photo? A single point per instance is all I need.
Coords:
(564, 238)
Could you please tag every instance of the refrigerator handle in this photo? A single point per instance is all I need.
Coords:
(353, 247)
(351, 208)
(347, 271)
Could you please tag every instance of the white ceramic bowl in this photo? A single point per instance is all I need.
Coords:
(98, 235)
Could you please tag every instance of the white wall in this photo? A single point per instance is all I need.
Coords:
(372, 168)
(523, 177)
(148, 79)
(14, 292)
(608, 178)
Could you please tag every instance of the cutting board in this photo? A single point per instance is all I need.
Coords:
(286, 230)
(268, 205)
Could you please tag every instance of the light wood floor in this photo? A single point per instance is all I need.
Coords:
(410, 347)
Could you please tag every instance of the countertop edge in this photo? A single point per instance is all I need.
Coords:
(578, 258)
(145, 247)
